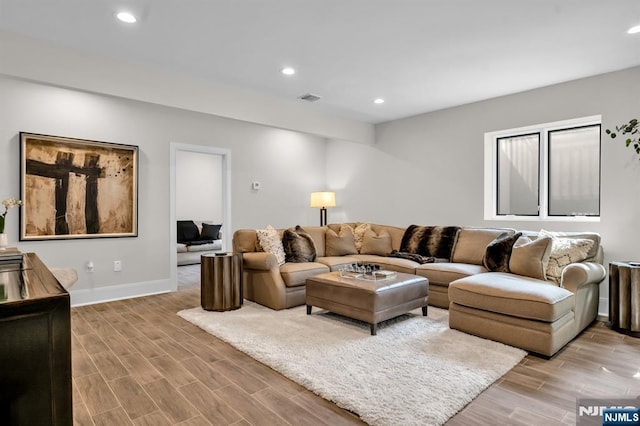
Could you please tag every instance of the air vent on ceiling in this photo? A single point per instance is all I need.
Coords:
(310, 97)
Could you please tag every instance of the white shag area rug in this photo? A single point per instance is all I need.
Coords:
(416, 371)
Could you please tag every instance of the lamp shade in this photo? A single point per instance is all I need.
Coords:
(323, 199)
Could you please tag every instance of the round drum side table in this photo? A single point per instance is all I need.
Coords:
(221, 281)
(624, 297)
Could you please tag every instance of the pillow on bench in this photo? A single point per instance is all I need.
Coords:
(187, 231)
(210, 232)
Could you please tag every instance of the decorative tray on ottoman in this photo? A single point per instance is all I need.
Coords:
(366, 272)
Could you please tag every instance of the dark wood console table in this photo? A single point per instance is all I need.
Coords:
(624, 297)
(35, 344)
(221, 282)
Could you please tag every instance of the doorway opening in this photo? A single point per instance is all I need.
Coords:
(200, 190)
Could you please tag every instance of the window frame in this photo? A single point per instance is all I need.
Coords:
(497, 171)
(544, 129)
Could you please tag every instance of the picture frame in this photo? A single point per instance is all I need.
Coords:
(76, 188)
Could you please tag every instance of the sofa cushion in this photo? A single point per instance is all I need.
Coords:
(390, 263)
(497, 254)
(187, 231)
(210, 232)
(513, 295)
(340, 243)
(435, 241)
(395, 232)
(444, 273)
(318, 235)
(530, 257)
(298, 245)
(296, 274)
(376, 243)
(565, 250)
(270, 241)
(336, 262)
(472, 242)
(182, 248)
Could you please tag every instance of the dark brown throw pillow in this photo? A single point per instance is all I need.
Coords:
(298, 246)
(498, 252)
(430, 241)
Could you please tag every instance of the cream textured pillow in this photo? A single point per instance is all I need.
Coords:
(530, 258)
(271, 243)
(358, 234)
(379, 244)
(564, 251)
(342, 243)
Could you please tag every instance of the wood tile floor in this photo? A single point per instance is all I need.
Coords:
(135, 362)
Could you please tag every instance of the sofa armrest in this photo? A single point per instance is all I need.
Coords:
(576, 275)
(260, 260)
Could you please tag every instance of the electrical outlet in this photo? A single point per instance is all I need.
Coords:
(117, 265)
(90, 267)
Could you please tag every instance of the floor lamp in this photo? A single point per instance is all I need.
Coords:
(322, 200)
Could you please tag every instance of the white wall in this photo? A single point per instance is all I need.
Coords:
(199, 187)
(37, 60)
(428, 169)
(289, 164)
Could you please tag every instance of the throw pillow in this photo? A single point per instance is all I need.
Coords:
(498, 252)
(358, 234)
(210, 232)
(430, 241)
(564, 251)
(187, 231)
(530, 258)
(340, 243)
(298, 246)
(378, 244)
(271, 243)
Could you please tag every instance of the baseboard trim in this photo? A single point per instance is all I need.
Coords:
(119, 292)
(603, 309)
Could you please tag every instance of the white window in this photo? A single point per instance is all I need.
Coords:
(545, 172)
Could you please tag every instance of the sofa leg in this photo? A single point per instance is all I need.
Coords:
(374, 329)
(424, 310)
(309, 309)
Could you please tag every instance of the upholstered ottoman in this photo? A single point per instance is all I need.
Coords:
(367, 300)
(531, 314)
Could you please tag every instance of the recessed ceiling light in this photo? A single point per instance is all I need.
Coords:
(634, 30)
(126, 17)
(288, 71)
(378, 101)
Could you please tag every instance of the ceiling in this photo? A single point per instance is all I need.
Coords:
(419, 55)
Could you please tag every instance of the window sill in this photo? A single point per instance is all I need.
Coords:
(568, 219)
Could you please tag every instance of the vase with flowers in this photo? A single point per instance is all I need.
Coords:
(8, 204)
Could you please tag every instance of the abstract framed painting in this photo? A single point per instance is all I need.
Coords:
(75, 188)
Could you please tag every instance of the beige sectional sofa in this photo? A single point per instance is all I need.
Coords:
(535, 314)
